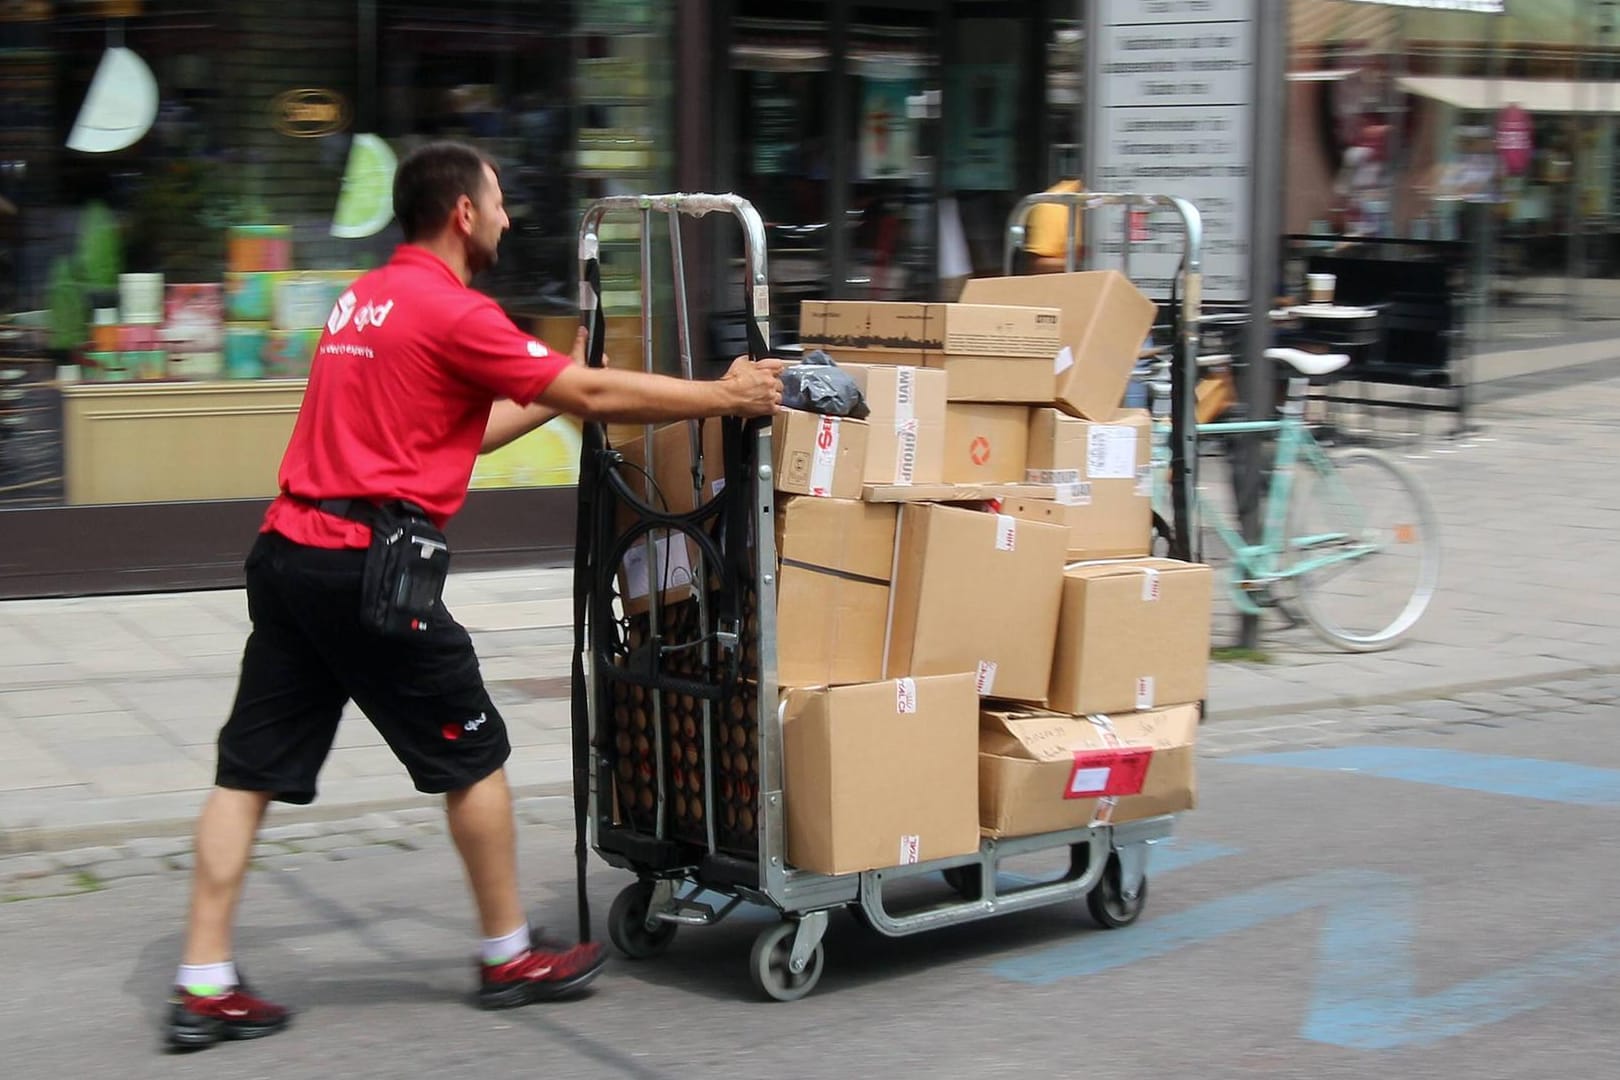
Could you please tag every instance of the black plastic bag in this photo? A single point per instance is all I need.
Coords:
(816, 385)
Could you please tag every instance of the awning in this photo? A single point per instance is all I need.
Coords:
(1536, 96)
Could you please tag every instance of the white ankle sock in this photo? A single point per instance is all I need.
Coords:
(498, 950)
(207, 979)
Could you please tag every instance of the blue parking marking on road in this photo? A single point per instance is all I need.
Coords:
(1528, 778)
(1365, 991)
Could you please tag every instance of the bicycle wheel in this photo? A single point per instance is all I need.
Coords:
(1364, 548)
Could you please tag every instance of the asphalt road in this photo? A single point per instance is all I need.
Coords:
(1430, 896)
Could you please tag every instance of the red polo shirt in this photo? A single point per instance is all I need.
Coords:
(399, 395)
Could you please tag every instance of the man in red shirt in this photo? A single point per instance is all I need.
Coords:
(415, 375)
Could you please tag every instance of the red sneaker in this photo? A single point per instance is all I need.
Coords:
(544, 973)
(197, 1022)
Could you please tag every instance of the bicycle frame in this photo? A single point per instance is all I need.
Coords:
(1262, 563)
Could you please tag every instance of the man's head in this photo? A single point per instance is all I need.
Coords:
(449, 190)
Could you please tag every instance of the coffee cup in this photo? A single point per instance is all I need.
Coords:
(1319, 287)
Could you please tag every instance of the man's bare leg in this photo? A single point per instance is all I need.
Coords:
(486, 837)
(225, 831)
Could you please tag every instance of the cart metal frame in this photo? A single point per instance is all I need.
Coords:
(1184, 373)
(676, 878)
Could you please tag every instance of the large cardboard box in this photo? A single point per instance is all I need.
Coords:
(674, 559)
(1132, 635)
(1043, 772)
(882, 774)
(1105, 321)
(832, 600)
(991, 353)
(672, 465)
(918, 330)
(985, 444)
(1104, 482)
(976, 592)
(905, 433)
(819, 455)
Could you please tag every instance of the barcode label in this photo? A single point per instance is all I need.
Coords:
(1074, 494)
(985, 682)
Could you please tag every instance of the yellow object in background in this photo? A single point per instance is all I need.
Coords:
(1047, 228)
(546, 457)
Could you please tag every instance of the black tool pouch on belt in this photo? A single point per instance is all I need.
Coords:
(409, 558)
(405, 570)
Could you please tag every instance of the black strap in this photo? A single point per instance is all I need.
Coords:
(584, 570)
(358, 510)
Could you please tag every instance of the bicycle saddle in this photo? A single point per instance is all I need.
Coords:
(1309, 364)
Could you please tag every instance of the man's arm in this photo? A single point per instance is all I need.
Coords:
(749, 388)
(509, 421)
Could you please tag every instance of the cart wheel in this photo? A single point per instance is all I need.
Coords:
(768, 965)
(627, 924)
(1107, 903)
(967, 881)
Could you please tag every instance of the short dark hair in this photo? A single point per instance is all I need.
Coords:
(431, 179)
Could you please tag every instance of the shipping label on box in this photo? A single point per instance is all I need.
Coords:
(1102, 473)
(832, 602)
(818, 455)
(985, 444)
(1132, 635)
(674, 558)
(1106, 319)
(1043, 772)
(979, 593)
(906, 429)
(880, 774)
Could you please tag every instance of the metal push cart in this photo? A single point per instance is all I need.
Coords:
(677, 729)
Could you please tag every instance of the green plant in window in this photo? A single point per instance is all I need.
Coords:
(100, 253)
(69, 310)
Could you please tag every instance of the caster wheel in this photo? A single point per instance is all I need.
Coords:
(966, 881)
(1107, 901)
(627, 924)
(769, 965)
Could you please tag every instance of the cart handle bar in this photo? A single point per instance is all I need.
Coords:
(1192, 222)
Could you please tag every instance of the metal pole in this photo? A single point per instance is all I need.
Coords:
(1268, 118)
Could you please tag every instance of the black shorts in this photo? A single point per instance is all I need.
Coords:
(308, 655)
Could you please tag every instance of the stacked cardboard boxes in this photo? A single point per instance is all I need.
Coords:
(969, 638)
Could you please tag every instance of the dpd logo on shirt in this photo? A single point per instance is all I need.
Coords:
(369, 315)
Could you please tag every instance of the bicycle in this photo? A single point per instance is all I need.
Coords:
(1329, 520)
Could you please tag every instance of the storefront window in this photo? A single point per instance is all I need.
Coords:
(187, 185)
(1494, 130)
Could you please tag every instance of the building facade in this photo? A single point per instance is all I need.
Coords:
(185, 185)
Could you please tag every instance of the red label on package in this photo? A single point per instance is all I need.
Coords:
(1100, 774)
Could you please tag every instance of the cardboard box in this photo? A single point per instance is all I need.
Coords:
(913, 332)
(985, 444)
(1103, 480)
(976, 592)
(1105, 321)
(991, 353)
(1042, 772)
(1132, 635)
(832, 600)
(672, 466)
(1015, 380)
(905, 436)
(881, 774)
(818, 455)
(675, 566)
